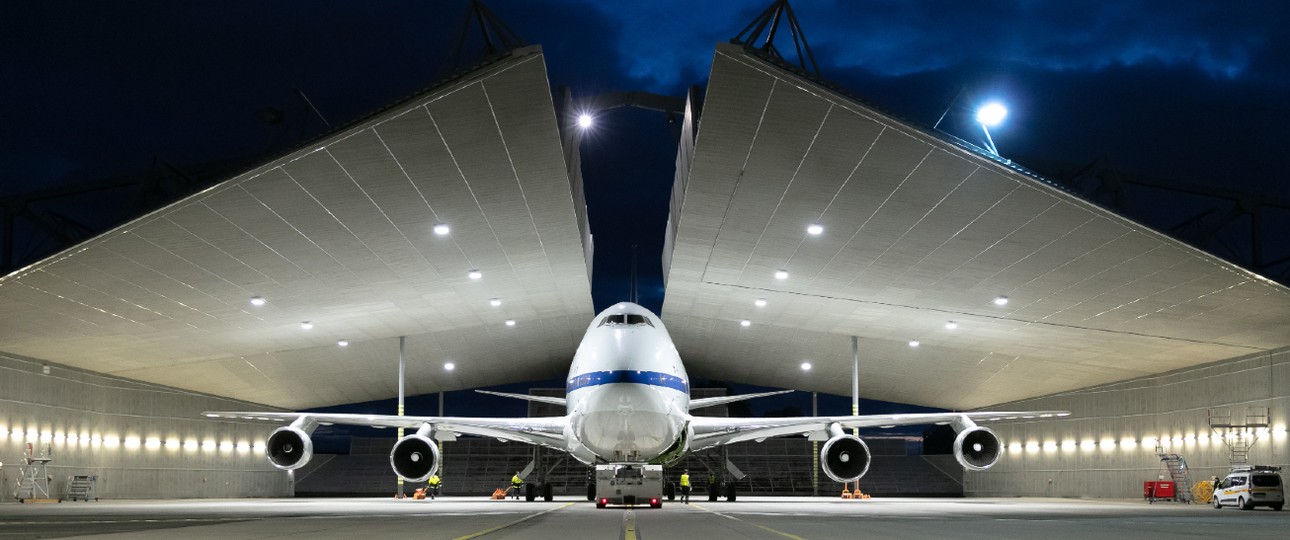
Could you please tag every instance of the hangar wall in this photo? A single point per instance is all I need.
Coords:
(141, 440)
(1106, 448)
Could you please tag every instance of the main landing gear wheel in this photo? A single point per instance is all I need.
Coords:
(548, 492)
(591, 492)
(669, 491)
(530, 492)
(730, 492)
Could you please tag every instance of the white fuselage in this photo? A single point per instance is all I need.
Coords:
(628, 395)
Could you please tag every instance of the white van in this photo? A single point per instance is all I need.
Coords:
(1247, 487)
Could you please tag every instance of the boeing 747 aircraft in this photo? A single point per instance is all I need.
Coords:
(628, 403)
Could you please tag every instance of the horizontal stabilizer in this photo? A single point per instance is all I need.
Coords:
(541, 399)
(714, 401)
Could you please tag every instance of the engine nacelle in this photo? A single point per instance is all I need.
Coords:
(844, 458)
(289, 448)
(977, 448)
(415, 458)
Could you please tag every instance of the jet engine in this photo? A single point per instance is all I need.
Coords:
(976, 448)
(844, 458)
(290, 447)
(415, 457)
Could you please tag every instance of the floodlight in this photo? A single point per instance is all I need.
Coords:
(510, 322)
(494, 302)
(951, 325)
(449, 366)
(781, 274)
(442, 229)
(760, 302)
(584, 120)
(814, 229)
(306, 325)
(474, 274)
(991, 114)
(1001, 301)
(342, 343)
(806, 366)
(914, 343)
(745, 323)
(257, 300)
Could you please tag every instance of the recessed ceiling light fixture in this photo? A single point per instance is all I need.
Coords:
(449, 366)
(307, 325)
(442, 229)
(494, 302)
(781, 274)
(814, 229)
(745, 323)
(1001, 301)
(760, 302)
(913, 343)
(951, 325)
(258, 300)
(510, 322)
(342, 343)
(474, 274)
(806, 366)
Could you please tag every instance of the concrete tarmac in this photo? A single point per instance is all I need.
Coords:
(568, 518)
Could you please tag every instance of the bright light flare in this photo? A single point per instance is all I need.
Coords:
(781, 274)
(585, 120)
(806, 366)
(991, 114)
(449, 366)
(442, 230)
(814, 230)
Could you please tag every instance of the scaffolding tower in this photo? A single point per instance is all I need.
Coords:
(1238, 433)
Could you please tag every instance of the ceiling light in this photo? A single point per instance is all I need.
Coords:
(510, 322)
(442, 229)
(307, 325)
(913, 343)
(449, 366)
(760, 302)
(474, 274)
(745, 323)
(1001, 301)
(806, 366)
(781, 274)
(814, 229)
(494, 302)
(584, 120)
(257, 300)
(951, 325)
(342, 343)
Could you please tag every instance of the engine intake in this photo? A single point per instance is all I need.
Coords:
(977, 448)
(414, 458)
(289, 448)
(844, 458)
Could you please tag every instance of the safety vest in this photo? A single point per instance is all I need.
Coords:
(434, 480)
(685, 480)
(516, 480)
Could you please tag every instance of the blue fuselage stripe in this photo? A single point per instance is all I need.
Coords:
(651, 378)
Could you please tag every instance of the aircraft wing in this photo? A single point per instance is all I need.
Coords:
(546, 431)
(715, 431)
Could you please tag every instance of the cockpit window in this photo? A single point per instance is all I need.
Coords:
(627, 319)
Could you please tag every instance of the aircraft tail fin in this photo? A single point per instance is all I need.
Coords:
(714, 401)
(541, 399)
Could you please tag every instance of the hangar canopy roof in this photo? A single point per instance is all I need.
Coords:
(340, 234)
(919, 232)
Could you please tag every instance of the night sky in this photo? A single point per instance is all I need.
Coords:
(1194, 92)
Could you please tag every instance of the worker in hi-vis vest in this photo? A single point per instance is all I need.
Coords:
(685, 486)
(517, 484)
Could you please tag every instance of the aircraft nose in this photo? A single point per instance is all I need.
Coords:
(628, 423)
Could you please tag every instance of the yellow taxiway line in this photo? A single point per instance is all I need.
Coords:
(762, 527)
(516, 522)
